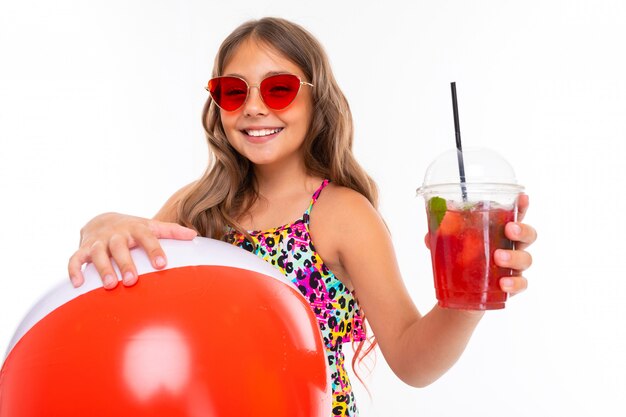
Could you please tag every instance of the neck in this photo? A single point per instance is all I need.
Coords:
(274, 180)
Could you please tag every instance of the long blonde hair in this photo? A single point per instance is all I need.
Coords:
(228, 187)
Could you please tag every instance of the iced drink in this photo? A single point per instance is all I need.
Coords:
(463, 238)
(466, 225)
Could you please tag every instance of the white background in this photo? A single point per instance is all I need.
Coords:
(100, 105)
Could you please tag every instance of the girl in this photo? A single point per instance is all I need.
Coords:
(280, 132)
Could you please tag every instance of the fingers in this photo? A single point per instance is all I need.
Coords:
(522, 206)
(166, 230)
(153, 249)
(119, 247)
(98, 255)
(522, 234)
(513, 285)
(74, 266)
(518, 260)
(100, 258)
(161, 230)
(112, 236)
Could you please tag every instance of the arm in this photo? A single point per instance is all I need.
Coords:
(114, 235)
(419, 349)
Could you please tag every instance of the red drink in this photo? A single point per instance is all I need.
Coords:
(462, 244)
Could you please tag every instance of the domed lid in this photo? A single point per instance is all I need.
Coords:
(482, 166)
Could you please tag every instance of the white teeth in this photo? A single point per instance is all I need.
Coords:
(263, 132)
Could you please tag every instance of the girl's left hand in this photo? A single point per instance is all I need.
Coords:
(519, 259)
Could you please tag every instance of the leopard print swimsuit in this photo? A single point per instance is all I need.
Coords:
(289, 248)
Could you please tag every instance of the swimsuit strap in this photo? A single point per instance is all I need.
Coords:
(314, 198)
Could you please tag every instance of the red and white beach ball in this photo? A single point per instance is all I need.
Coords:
(218, 333)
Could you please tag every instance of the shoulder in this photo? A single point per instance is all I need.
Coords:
(334, 194)
(342, 203)
(342, 214)
(342, 221)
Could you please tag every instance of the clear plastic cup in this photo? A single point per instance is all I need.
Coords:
(466, 225)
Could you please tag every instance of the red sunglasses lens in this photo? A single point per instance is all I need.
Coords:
(278, 91)
(228, 92)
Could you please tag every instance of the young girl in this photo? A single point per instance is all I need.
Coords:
(283, 183)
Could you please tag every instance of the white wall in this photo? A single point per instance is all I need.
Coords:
(100, 107)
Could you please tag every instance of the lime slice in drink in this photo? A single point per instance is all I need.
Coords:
(437, 208)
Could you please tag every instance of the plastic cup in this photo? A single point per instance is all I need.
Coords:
(466, 226)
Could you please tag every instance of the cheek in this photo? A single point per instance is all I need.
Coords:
(303, 117)
(228, 121)
(228, 126)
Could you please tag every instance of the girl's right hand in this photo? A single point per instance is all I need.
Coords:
(114, 235)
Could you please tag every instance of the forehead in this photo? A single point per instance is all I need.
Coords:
(254, 60)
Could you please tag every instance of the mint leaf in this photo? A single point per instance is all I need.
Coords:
(437, 208)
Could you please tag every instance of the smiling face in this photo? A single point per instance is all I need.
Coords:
(264, 136)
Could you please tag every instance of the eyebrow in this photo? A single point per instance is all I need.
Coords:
(267, 74)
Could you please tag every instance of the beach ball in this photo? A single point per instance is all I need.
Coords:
(218, 333)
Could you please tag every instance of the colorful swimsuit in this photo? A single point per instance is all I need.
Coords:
(289, 248)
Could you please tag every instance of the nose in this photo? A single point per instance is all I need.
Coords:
(254, 105)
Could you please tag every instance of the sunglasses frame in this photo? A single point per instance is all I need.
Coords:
(258, 86)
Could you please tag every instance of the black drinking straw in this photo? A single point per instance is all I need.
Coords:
(459, 148)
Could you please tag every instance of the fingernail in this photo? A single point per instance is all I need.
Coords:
(74, 281)
(506, 283)
(109, 280)
(504, 255)
(516, 230)
(159, 261)
(128, 277)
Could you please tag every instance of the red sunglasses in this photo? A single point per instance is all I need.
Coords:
(277, 91)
